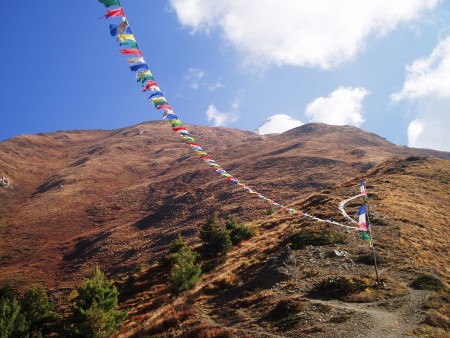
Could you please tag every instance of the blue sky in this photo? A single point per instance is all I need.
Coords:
(383, 66)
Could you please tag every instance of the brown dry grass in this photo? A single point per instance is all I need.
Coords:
(117, 198)
(230, 295)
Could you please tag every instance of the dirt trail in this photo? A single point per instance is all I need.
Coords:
(388, 319)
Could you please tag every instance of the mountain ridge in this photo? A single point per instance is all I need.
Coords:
(119, 197)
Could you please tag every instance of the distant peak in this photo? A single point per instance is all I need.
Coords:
(277, 124)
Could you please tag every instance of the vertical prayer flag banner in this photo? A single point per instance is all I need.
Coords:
(362, 217)
(144, 76)
(362, 188)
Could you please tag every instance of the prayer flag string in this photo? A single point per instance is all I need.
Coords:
(144, 76)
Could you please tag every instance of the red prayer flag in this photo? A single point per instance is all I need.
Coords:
(164, 106)
(150, 84)
(131, 51)
(114, 12)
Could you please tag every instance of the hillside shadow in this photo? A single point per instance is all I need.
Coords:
(149, 221)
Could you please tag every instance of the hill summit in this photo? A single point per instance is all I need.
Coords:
(120, 197)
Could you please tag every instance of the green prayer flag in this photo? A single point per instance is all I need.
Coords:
(188, 139)
(109, 3)
(176, 123)
(130, 43)
(364, 235)
(145, 78)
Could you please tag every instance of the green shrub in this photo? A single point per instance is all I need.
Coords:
(6, 292)
(239, 232)
(215, 237)
(368, 259)
(176, 245)
(94, 312)
(286, 308)
(39, 311)
(185, 272)
(413, 158)
(339, 286)
(315, 238)
(12, 322)
(426, 282)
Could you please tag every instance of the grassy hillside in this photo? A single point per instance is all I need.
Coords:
(272, 285)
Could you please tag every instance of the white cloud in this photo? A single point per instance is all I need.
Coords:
(428, 76)
(430, 133)
(415, 128)
(341, 107)
(194, 76)
(427, 85)
(214, 86)
(320, 33)
(197, 78)
(222, 118)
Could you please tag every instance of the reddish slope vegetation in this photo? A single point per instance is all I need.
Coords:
(119, 197)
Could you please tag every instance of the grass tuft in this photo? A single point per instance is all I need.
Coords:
(426, 282)
(315, 238)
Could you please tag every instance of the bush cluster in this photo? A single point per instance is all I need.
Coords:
(217, 240)
(315, 238)
(93, 311)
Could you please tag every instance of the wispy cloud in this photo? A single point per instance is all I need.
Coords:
(300, 33)
(342, 107)
(197, 78)
(427, 86)
(194, 77)
(223, 118)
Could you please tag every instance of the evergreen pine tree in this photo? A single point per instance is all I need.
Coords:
(216, 239)
(177, 244)
(185, 272)
(38, 311)
(7, 292)
(12, 322)
(94, 312)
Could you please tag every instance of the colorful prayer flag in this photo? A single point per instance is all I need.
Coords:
(362, 188)
(145, 76)
(109, 3)
(142, 74)
(169, 115)
(125, 37)
(176, 123)
(364, 235)
(138, 66)
(162, 106)
(150, 84)
(122, 28)
(113, 13)
(131, 51)
(362, 218)
(132, 61)
(130, 43)
(156, 93)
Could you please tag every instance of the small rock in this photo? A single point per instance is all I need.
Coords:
(338, 253)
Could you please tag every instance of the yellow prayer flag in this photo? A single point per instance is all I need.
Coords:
(125, 37)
